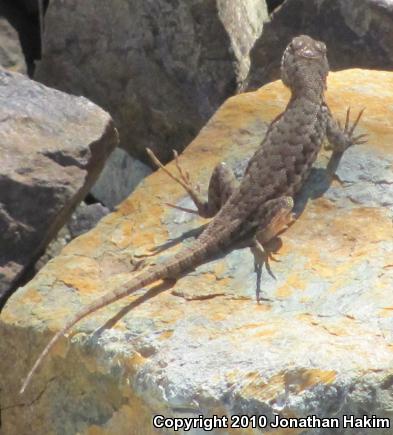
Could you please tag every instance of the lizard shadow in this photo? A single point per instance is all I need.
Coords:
(149, 294)
(316, 185)
(318, 182)
(170, 243)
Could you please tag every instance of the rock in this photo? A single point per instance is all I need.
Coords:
(84, 218)
(27, 26)
(120, 176)
(53, 147)
(161, 68)
(322, 346)
(358, 33)
(62, 238)
(11, 55)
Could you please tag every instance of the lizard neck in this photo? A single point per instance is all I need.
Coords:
(311, 95)
(302, 108)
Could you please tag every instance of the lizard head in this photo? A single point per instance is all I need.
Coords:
(304, 65)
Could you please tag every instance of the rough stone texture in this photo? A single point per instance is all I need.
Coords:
(120, 176)
(53, 147)
(359, 33)
(323, 345)
(84, 218)
(161, 67)
(11, 55)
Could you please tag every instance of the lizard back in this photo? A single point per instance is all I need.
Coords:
(283, 161)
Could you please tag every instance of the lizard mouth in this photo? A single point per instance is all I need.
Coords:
(309, 54)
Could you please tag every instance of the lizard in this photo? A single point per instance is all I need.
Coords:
(260, 206)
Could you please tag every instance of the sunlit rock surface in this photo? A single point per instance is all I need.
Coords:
(323, 345)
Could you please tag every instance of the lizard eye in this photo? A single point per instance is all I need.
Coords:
(321, 47)
(297, 44)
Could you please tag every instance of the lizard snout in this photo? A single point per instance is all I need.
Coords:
(309, 53)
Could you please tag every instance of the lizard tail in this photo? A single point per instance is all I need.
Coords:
(174, 266)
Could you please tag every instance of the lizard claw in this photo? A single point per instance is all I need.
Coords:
(347, 119)
(263, 254)
(137, 263)
(183, 178)
(178, 207)
(360, 139)
(350, 129)
(184, 175)
(345, 136)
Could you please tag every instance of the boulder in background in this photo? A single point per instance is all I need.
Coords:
(161, 68)
(358, 34)
(120, 176)
(53, 147)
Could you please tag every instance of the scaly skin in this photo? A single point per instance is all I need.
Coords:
(262, 203)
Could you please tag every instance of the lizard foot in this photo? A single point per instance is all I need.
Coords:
(137, 263)
(265, 253)
(266, 241)
(183, 178)
(348, 132)
(261, 245)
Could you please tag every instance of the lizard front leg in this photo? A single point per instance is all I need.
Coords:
(221, 186)
(340, 139)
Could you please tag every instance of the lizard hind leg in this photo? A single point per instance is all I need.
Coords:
(221, 186)
(275, 217)
(280, 218)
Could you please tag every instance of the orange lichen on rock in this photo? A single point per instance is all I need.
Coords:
(204, 342)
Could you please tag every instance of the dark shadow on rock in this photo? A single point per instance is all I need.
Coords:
(154, 291)
(272, 5)
(170, 243)
(25, 21)
(315, 186)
